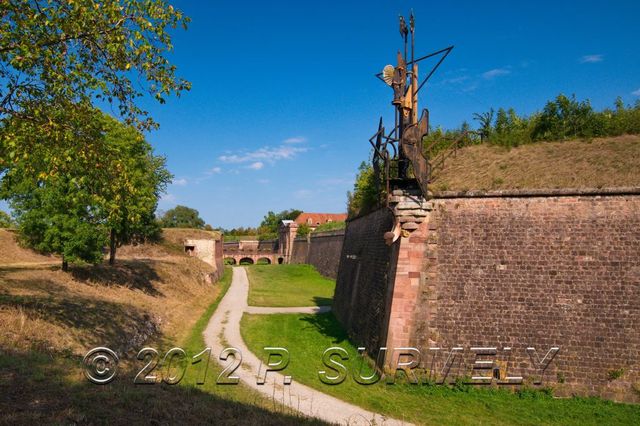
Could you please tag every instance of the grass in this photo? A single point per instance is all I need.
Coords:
(307, 336)
(597, 163)
(288, 285)
(331, 226)
(240, 393)
(153, 297)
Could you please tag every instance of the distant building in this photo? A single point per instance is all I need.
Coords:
(313, 220)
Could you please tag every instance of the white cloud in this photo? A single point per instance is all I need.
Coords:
(335, 181)
(297, 139)
(636, 92)
(455, 80)
(302, 193)
(263, 181)
(215, 170)
(256, 166)
(496, 72)
(168, 198)
(269, 154)
(180, 182)
(591, 59)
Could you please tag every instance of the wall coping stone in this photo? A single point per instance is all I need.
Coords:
(549, 192)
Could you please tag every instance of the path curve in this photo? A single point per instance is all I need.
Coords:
(223, 331)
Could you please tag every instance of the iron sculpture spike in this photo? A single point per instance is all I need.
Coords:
(402, 146)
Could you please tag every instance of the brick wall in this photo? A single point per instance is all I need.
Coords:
(299, 250)
(538, 272)
(322, 250)
(362, 296)
(511, 271)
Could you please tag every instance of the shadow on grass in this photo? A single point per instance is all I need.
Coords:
(327, 325)
(38, 388)
(102, 323)
(135, 274)
(322, 301)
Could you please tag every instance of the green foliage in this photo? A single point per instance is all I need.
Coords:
(70, 187)
(267, 236)
(330, 226)
(271, 221)
(485, 121)
(564, 118)
(303, 230)
(59, 217)
(5, 220)
(615, 374)
(365, 196)
(561, 119)
(135, 180)
(57, 54)
(182, 217)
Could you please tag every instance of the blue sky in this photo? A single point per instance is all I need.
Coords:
(284, 99)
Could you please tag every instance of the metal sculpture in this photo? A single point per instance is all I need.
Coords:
(402, 148)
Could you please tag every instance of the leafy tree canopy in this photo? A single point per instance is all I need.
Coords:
(271, 221)
(182, 217)
(365, 196)
(98, 176)
(5, 220)
(58, 54)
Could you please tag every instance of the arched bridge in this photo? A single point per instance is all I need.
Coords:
(252, 252)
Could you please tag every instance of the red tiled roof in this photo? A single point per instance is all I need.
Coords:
(320, 218)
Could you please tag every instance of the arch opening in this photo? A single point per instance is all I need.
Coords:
(229, 261)
(246, 261)
(263, 261)
(280, 261)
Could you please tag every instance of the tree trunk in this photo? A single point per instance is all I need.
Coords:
(65, 265)
(112, 247)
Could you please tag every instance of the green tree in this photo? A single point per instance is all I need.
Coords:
(271, 221)
(485, 120)
(59, 217)
(365, 196)
(135, 179)
(5, 220)
(55, 192)
(61, 53)
(182, 217)
(303, 230)
(99, 177)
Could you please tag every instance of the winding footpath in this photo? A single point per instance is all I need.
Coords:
(223, 331)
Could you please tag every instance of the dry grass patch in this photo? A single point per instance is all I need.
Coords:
(597, 163)
(152, 297)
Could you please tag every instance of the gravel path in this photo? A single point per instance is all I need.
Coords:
(223, 331)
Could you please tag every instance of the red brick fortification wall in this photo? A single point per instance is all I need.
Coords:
(363, 290)
(299, 250)
(515, 271)
(325, 250)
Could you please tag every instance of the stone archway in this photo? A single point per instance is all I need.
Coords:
(229, 261)
(280, 260)
(263, 261)
(246, 261)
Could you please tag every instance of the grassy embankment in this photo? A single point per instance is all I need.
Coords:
(155, 296)
(596, 163)
(288, 285)
(307, 336)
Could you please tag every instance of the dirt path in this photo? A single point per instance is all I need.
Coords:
(223, 331)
